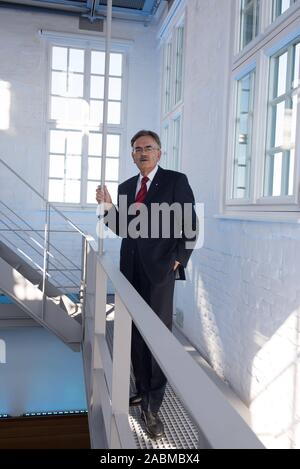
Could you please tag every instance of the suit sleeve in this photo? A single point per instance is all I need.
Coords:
(189, 221)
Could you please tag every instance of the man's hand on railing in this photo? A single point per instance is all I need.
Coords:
(103, 196)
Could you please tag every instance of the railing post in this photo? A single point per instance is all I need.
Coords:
(121, 378)
(46, 255)
(97, 385)
(82, 292)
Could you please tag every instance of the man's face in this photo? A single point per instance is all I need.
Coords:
(146, 154)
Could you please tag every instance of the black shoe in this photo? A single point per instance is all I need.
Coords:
(154, 425)
(136, 399)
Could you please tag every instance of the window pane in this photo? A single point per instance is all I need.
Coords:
(280, 75)
(98, 62)
(249, 21)
(68, 109)
(280, 6)
(114, 113)
(56, 190)
(167, 77)
(115, 85)
(115, 66)
(243, 137)
(58, 108)
(72, 192)
(94, 168)
(113, 145)
(95, 144)
(57, 141)
(291, 172)
(59, 83)
(278, 113)
(112, 188)
(294, 119)
(276, 191)
(174, 164)
(91, 192)
(96, 112)
(74, 143)
(97, 87)
(295, 83)
(179, 65)
(60, 58)
(57, 166)
(75, 85)
(73, 167)
(76, 60)
(112, 169)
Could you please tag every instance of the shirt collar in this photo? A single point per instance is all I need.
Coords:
(150, 175)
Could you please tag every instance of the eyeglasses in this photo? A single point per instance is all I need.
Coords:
(147, 149)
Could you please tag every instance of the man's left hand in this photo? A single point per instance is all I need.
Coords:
(176, 265)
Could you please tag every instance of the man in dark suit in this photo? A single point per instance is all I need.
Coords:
(151, 259)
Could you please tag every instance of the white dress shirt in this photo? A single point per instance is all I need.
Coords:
(150, 176)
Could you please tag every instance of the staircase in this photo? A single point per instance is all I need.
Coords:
(50, 308)
(35, 272)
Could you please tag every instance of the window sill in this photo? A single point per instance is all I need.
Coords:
(264, 217)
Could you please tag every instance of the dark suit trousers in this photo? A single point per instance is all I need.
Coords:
(149, 379)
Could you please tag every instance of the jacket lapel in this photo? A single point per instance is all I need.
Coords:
(155, 185)
(132, 190)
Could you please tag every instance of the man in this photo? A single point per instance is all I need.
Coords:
(151, 262)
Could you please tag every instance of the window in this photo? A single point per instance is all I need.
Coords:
(280, 6)
(173, 96)
(243, 136)
(282, 117)
(75, 123)
(263, 168)
(249, 21)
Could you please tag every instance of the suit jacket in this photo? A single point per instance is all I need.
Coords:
(157, 254)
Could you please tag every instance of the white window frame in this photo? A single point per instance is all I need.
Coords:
(274, 17)
(88, 43)
(257, 3)
(169, 35)
(277, 35)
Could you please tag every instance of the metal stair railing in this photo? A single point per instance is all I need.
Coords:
(17, 230)
(35, 242)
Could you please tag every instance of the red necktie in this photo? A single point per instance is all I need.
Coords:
(141, 195)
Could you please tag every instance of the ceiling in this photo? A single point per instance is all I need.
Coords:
(137, 10)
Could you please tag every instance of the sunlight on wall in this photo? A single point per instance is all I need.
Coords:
(5, 105)
(209, 327)
(275, 407)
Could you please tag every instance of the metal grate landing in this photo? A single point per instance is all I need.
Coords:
(180, 432)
